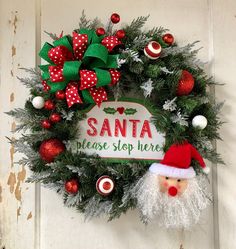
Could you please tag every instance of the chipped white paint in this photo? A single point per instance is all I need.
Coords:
(17, 42)
(37, 219)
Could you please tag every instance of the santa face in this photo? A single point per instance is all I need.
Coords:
(158, 205)
(172, 186)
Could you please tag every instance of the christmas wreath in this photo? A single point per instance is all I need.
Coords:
(96, 65)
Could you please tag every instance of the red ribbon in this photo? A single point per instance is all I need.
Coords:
(72, 95)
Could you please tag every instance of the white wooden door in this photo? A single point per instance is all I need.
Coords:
(32, 217)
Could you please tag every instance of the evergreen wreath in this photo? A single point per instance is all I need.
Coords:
(150, 66)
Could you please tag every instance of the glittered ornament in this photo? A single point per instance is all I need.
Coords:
(186, 83)
(105, 185)
(168, 39)
(51, 148)
(199, 122)
(46, 124)
(60, 95)
(115, 18)
(49, 105)
(152, 50)
(100, 31)
(38, 102)
(72, 186)
(120, 34)
(55, 117)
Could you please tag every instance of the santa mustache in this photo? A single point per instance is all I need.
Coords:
(180, 211)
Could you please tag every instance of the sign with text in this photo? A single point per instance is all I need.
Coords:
(120, 130)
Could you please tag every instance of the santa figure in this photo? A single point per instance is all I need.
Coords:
(170, 192)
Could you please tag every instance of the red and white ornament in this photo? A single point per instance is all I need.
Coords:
(51, 148)
(72, 186)
(186, 83)
(120, 34)
(55, 117)
(115, 18)
(46, 124)
(100, 31)
(49, 105)
(152, 50)
(60, 95)
(105, 185)
(38, 102)
(168, 38)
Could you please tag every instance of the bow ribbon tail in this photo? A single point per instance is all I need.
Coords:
(98, 94)
(72, 95)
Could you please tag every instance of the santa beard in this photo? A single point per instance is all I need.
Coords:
(171, 212)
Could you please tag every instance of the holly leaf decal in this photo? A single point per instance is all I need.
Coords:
(130, 111)
(110, 110)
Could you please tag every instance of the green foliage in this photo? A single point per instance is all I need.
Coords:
(165, 73)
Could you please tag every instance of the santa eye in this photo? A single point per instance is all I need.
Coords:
(179, 180)
(167, 177)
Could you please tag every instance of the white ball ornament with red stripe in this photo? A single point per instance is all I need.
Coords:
(152, 50)
(105, 185)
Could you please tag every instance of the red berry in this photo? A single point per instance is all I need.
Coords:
(100, 31)
(60, 95)
(115, 18)
(168, 39)
(120, 34)
(46, 124)
(72, 186)
(49, 105)
(55, 117)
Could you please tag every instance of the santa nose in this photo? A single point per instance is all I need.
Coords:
(172, 191)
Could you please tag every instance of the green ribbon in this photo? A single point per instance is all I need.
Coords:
(96, 58)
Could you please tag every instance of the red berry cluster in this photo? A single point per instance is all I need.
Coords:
(50, 106)
(115, 18)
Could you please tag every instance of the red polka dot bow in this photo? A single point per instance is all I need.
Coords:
(81, 64)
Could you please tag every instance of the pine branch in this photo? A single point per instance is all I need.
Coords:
(84, 23)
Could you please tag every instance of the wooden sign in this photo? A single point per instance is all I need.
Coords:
(120, 130)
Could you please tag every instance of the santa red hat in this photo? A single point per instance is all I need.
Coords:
(177, 160)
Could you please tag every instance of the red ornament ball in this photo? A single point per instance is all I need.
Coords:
(186, 83)
(72, 186)
(168, 38)
(115, 18)
(51, 148)
(152, 50)
(46, 124)
(60, 95)
(120, 34)
(55, 117)
(100, 31)
(105, 185)
(49, 105)
(172, 191)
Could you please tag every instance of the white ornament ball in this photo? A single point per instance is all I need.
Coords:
(152, 50)
(38, 102)
(200, 122)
